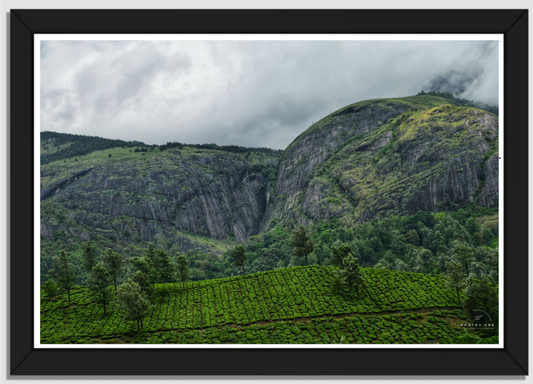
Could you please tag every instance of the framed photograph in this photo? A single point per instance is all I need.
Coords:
(292, 192)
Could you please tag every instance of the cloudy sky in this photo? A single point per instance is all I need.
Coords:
(250, 93)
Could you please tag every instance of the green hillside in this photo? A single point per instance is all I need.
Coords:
(290, 305)
(177, 196)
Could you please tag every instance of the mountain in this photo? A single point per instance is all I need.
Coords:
(390, 156)
(368, 160)
(146, 193)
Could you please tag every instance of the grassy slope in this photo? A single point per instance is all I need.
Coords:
(291, 305)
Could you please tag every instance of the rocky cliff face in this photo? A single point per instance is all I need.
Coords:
(387, 157)
(370, 159)
(172, 194)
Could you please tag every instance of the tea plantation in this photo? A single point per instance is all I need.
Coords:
(286, 306)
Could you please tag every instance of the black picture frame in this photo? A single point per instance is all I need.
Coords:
(511, 360)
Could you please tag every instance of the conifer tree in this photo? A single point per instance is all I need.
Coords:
(301, 243)
(63, 273)
(339, 253)
(114, 263)
(99, 284)
(89, 260)
(465, 255)
(163, 266)
(182, 267)
(350, 274)
(239, 257)
(455, 277)
(144, 283)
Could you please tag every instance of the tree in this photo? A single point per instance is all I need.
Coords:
(472, 226)
(480, 294)
(99, 284)
(144, 265)
(383, 264)
(163, 267)
(156, 264)
(423, 260)
(397, 243)
(134, 302)
(239, 257)
(144, 282)
(182, 267)
(455, 277)
(89, 260)
(301, 243)
(412, 237)
(350, 274)
(63, 273)
(114, 263)
(493, 262)
(400, 265)
(464, 254)
(51, 289)
(338, 254)
(487, 236)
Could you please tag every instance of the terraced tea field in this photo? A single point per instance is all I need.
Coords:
(286, 306)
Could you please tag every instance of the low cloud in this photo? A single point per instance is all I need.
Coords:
(252, 93)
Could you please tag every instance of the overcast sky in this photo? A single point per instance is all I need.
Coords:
(250, 93)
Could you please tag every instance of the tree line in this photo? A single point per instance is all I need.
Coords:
(421, 243)
(80, 145)
(226, 148)
(462, 102)
(138, 291)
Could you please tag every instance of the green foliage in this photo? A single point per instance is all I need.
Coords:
(182, 267)
(89, 259)
(487, 237)
(464, 254)
(412, 237)
(301, 243)
(144, 283)
(133, 302)
(163, 265)
(239, 257)
(383, 264)
(481, 295)
(63, 273)
(384, 241)
(99, 284)
(350, 274)
(462, 102)
(338, 254)
(455, 277)
(79, 145)
(289, 305)
(51, 289)
(225, 148)
(114, 263)
(155, 264)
